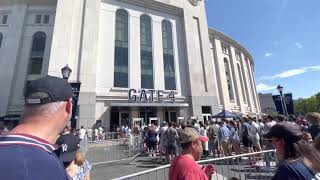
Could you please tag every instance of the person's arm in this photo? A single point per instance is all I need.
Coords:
(88, 176)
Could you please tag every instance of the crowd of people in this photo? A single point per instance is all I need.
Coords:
(42, 147)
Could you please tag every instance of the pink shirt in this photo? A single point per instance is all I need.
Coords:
(185, 167)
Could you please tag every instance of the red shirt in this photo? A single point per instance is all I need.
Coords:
(184, 167)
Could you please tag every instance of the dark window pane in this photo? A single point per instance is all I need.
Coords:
(46, 19)
(168, 59)
(35, 65)
(146, 52)
(1, 38)
(121, 50)
(37, 53)
(4, 19)
(38, 19)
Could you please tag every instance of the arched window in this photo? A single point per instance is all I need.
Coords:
(37, 53)
(242, 85)
(168, 58)
(121, 49)
(146, 52)
(228, 77)
(1, 38)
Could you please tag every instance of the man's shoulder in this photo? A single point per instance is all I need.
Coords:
(29, 163)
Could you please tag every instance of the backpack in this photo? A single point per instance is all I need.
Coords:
(171, 135)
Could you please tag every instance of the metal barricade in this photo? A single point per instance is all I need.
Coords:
(227, 167)
(111, 150)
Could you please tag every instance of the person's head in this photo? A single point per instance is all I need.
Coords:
(69, 150)
(280, 118)
(170, 124)
(48, 103)
(289, 143)
(191, 142)
(307, 137)
(269, 118)
(233, 124)
(82, 127)
(313, 118)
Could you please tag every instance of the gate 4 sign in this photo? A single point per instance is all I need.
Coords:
(143, 95)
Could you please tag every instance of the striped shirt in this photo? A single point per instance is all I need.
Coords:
(29, 157)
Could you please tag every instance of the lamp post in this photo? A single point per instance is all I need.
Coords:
(66, 71)
(283, 103)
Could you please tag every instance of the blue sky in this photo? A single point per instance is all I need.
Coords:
(283, 36)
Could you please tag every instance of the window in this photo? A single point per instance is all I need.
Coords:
(1, 38)
(242, 85)
(37, 53)
(229, 83)
(46, 19)
(121, 50)
(224, 48)
(146, 52)
(238, 56)
(38, 19)
(168, 58)
(4, 19)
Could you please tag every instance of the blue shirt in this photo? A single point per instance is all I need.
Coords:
(295, 170)
(224, 133)
(29, 158)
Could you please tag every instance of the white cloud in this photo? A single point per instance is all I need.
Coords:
(268, 54)
(298, 45)
(292, 72)
(265, 87)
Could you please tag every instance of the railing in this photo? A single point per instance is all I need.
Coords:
(110, 150)
(226, 167)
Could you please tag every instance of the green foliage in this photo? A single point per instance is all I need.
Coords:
(311, 104)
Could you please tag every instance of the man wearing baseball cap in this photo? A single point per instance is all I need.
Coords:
(27, 151)
(185, 167)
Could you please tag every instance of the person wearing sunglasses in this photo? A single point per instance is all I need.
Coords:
(299, 160)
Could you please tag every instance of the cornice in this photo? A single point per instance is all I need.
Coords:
(219, 35)
(156, 5)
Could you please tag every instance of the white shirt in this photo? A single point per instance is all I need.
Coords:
(82, 133)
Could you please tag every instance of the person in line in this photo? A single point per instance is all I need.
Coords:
(247, 138)
(234, 138)
(314, 119)
(69, 152)
(27, 151)
(299, 160)
(213, 139)
(152, 140)
(171, 135)
(224, 135)
(185, 167)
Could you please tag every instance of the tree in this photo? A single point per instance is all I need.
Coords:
(311, 104)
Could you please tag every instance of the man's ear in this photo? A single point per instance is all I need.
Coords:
(69, 106)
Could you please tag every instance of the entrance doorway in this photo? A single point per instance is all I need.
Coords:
(146, 113)
(170, 116)
(206, 118)
(124, 119)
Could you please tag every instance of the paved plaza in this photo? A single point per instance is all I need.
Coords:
(233, 169)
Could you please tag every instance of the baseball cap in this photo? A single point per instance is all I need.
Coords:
(46, 90)
(68, 147)
(288, 131)
(190, 134)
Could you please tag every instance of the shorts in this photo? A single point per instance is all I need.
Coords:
(171, 149)
(247, 142)
(256, 141)
(152, 145)
(213, 143)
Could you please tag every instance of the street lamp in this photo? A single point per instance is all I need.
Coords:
(66, 71)
(283, 103)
